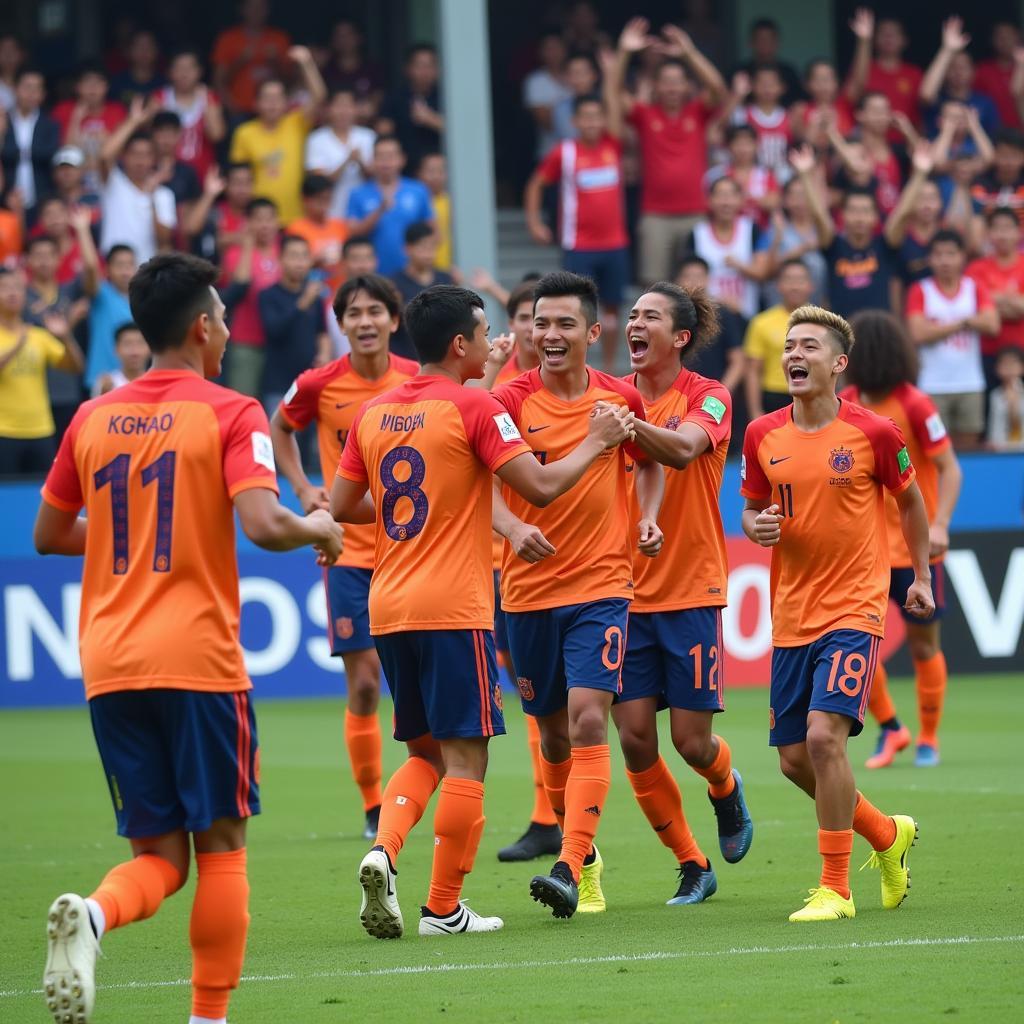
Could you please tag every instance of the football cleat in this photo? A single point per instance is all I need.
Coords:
(890, 743)
(735, 829)
(557, 890)
(825, 904)
(536, 841)
(380, 914)
(927, 756)
(372, 824)
(69, 980)
(458, 921)
(696, 884)
(892, 863)
(591, 895)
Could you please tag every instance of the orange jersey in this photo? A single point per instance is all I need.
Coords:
(830, 570)
(508, 372)
(428, 450)
(332, 396)
(589, 524)
(157, 464)
(918, 419)
(692, 570)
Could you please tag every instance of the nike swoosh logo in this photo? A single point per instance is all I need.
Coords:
(343, 405)
(661, 828)
(775, 462)
(533, 430)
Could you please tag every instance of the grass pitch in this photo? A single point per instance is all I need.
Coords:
(954, 951)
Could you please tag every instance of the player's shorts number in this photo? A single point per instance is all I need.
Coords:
(408, 488)
(115, 474)
(611, 655)
(696, 652)
(851, 679)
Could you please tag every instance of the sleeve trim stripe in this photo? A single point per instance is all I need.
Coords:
(251, 483)
(65, 506)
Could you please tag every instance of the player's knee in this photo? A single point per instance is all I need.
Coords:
(694, 748)
(824, 743)
(639, 747)
(923, 646)
(793, 768)
(589, 727)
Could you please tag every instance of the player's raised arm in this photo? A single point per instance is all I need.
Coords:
(269, 525)
(914, 524)
(540, 485)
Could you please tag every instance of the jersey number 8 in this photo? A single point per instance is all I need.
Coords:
(394, 489)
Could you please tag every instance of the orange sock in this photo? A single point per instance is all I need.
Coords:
(879, 702)
(719, 772)
(585, 793)
(542, 813)
(835, 849)
(217, 930)
(135, 889)
(363, 740)
(405, 799)
(931, 694)
(555, 777)
(658, 795)
(458, 825)
(868, 821)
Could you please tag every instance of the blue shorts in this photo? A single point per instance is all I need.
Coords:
(899, 584)
(177, 759)
(348, 611)
(443, 682)
(500, 625)
(832, 674)
(609, 269)
(676, 657)
(575, 645)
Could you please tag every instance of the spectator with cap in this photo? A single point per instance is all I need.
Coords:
(273, 142)
(138, 210)
(27, 429)
(413, 113)
(29, 142)
(69, 181)
(246, 56)
(88, 120)
(202, 117)
(341, 150)
(383, 207)
(142, 77)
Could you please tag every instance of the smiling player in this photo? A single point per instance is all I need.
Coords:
(161, 466)
(567, 578)
(815, 477)
(426, 452)
(367, 310)
(674, 649)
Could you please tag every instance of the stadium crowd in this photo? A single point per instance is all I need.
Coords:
(878, 186)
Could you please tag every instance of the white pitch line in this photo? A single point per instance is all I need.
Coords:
(576, 961)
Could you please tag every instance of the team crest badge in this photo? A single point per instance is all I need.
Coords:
(525, 688)
(672, 423)
(841, 460)
(498, 698)
(344, 629)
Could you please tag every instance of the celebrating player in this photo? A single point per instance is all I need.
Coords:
(815, 476)
(567, 578)
(367, 310)
(511, 355)
(161, 465)
(426, 451)
(882, 371)
(674, 648)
